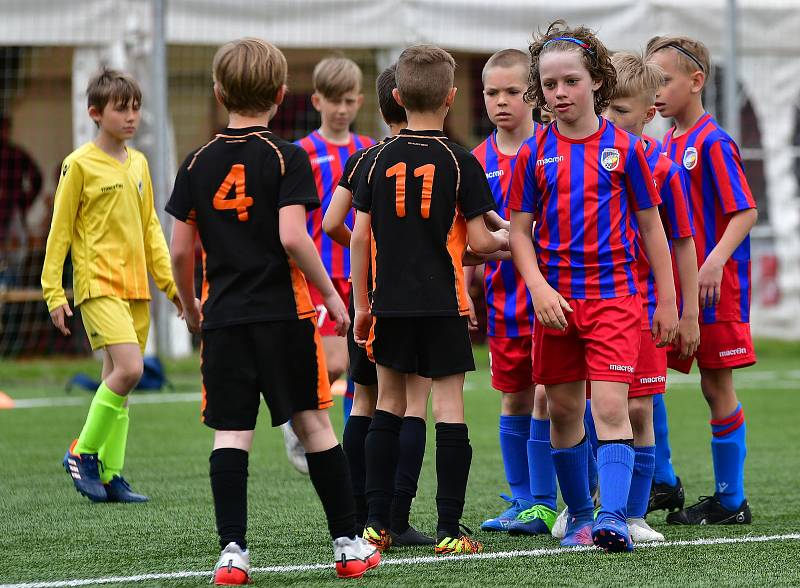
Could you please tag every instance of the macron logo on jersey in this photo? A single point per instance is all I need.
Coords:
(494, 174)
(614, 367)
(322, 159)
(729, 352)
(546, 160)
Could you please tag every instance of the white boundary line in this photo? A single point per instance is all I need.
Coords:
(543, 552)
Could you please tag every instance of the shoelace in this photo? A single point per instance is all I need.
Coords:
(514, 502)
(537, 511)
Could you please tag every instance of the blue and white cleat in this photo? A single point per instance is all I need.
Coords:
(578, 532)
(119, 490)
(500, 523)
(83, 469)
(612, 535)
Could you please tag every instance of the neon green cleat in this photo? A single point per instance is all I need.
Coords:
(537, 520)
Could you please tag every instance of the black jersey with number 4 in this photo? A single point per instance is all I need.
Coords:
(419, 187)
(232, 188)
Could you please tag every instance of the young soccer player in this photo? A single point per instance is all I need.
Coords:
(246, 193)
(631, 108)
(104, 213)
(420, 200)
(583, 180)
(723, 211)
(362, 371)
(524, 426)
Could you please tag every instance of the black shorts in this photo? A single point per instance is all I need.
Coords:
(432, 347)
(361, 370)
(281, 360)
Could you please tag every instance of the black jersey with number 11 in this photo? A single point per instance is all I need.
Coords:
(420, 188)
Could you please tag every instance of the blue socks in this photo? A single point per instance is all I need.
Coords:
(643, 465)
(615, 467)
(664, 474)
(540, 464)
(728, 450)
(514, 432)
(347, 401)
(591, 435)
(571, 466)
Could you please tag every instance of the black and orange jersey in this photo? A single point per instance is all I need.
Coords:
(232, 188)
(354, 167)
(420, 188)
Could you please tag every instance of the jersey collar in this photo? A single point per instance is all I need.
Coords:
(427, 133)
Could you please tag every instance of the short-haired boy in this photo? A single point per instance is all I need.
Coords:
(419, 203)
(723, 211)
(104, 214)
(246, 193)
(632, 106)
(524, 422)
(363, 372)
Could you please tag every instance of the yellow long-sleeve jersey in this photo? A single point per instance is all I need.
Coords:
(104, 212)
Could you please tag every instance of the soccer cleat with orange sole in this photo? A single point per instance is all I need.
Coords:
(354, 557)
(233, 567)
(378, 537)
(463, 544)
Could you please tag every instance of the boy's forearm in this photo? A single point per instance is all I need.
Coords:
(53, 273)
(333, 223)
(341, 234)
(359, 265)
(655, 246)
(686, 262)
(738, 228)
(522, 251)
(183, 270)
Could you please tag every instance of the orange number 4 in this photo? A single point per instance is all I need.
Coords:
(399, 171)
(241, 202)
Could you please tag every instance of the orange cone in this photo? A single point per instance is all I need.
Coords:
(6, 402)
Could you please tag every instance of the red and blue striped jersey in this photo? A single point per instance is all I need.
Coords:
(327, 162)
(583, 194)
(676, 217)
(509, 310)
(717, 188)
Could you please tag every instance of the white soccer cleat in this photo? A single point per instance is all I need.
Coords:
(233, 567)
(354, 556)
(641, 532)
(560, 526)
(295, 451)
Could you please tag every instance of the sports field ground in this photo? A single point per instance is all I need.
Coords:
(50, 536)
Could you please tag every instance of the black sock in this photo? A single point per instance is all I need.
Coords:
(331, 479)
(409, 466)
(453, 458)
(355, 433)
(381, 452)
(228, 471)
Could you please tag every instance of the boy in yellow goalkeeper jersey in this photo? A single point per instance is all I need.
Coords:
(104, 213)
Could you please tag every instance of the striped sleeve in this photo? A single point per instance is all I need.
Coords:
(675, 199)
(523, 193)
(730, 183)
(641, 188)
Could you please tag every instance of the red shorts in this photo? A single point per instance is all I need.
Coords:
(650, 376)
(327, 327)
(726, 345)
(511, 363)
(601, 342)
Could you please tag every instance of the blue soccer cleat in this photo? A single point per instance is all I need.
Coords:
(578, 532)
(500, 523)
(537, 520)
(612, 535)
(119, 490)
(83, 469)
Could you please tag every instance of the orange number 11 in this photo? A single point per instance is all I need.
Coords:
(399, 172)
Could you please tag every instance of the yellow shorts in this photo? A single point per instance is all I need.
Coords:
(110, 320)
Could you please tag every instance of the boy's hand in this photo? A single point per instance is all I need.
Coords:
(709, 280)
(59, 318)
(177, 302)
(503, 235)
(665, 324)
(688, 337)
(473, 318)
(361, 326)
(191, 314)
(337, 312)
(550, 306)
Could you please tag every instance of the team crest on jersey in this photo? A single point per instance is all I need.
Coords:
(64, 170)
(610, 159)
(690, 158)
